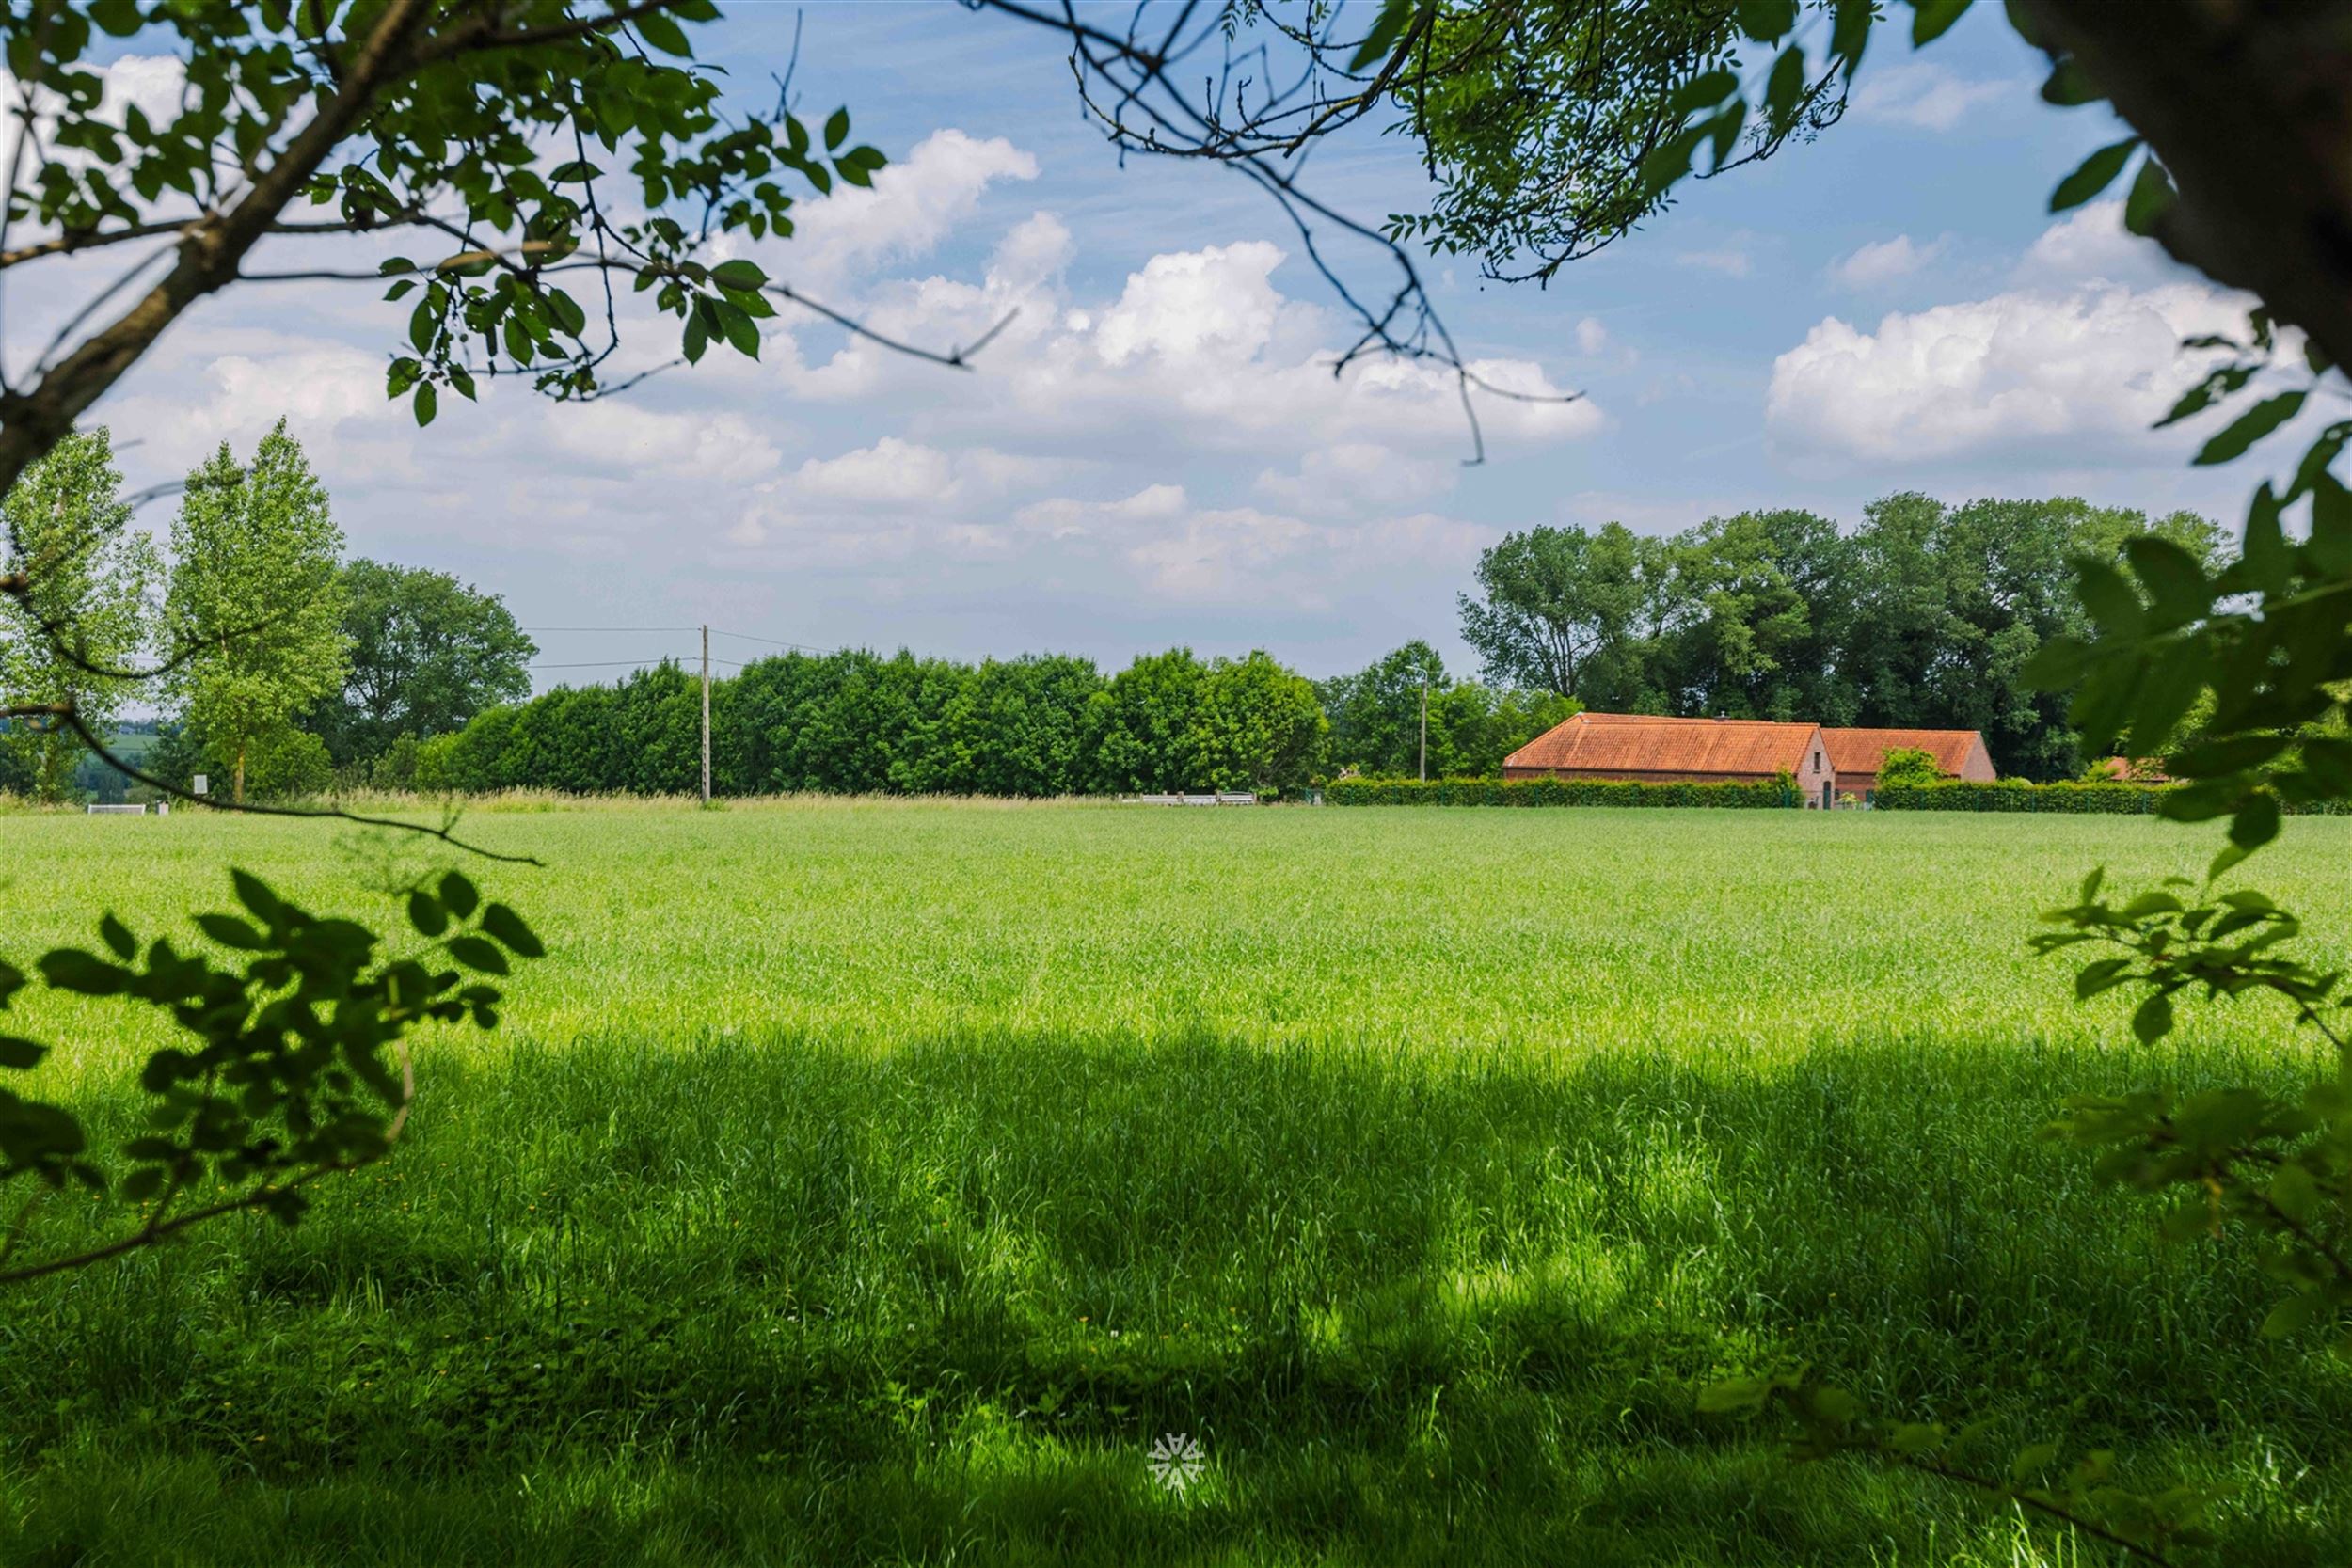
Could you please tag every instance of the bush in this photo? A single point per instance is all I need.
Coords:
(287, 762)
(1907, 765)
(1557, 792)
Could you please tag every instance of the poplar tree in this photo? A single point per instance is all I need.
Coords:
(256, 601)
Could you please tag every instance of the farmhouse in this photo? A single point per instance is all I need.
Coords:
(1856, 754)
(1649, 750)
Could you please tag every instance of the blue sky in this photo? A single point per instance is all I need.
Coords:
(1153, 456)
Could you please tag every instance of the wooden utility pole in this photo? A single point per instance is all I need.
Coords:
(1425, 727)
(706, 716)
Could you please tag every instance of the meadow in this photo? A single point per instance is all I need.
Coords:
(870, 1181)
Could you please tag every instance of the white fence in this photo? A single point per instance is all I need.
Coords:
(161, 810)
(1225, 797)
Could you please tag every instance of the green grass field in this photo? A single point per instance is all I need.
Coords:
(877, 1183)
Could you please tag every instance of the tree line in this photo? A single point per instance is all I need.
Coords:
(858, 721)
(291, 671)
(1924, 616)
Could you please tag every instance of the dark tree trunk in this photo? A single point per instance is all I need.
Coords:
(2248, 105)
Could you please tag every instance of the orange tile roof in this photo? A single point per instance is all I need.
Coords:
(1643, 743)
(1862, 751)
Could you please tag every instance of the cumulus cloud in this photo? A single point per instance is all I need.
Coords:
(2082, 375)
(1922, 96)
(1883, 262)
(2091, 245)
(911, 205)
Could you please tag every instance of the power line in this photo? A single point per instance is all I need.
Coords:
(796, 647)
(607, 628)
(611, 663)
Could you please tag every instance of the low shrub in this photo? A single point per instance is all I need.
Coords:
(1556, 792)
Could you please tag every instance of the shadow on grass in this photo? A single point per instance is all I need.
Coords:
(736, 1302)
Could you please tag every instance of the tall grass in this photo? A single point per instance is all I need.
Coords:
(876, 1185)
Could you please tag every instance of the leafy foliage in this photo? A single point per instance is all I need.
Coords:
(297, 1066)
(1549, 128)
(1908, 765)
(510, 140)
(87, 608)
(854, 723)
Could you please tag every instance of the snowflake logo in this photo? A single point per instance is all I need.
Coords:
(1176, 1462)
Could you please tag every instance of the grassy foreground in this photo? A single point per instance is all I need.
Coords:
(877, 1183)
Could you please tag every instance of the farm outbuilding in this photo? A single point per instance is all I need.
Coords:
(1856, 754)
(1644, 749)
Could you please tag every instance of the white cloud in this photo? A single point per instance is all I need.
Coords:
(2090, 245)
(1732, 261)
(910, 208)
(2082, 375)
(1354, 476)
(1220, 555)
(635, 441)
(1875, 265)
(890, 472)
(1591, 336)
(1921, 95)
(1189, 304)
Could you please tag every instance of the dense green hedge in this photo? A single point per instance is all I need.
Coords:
(2106, 799)
(1555, 792)
(2111, 800)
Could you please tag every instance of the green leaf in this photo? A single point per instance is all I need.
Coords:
(508, 927)
(1395, 17)
(696, 339)
(2092, 978)
(2096, 173)
(2290, 1316)
(2250, 427)
(459, 894)
(741, 332)
(2176, 585)
(426, 914)
(2114, 608)
(120, 18)
(1703, 92)
(836, 129)
(2069, 85)
(2256, 822)
(426, 403)
(228, 930)
(116, 936)
(1767, 20)
(1785, 90)
(70, 969)
(1849, 32)
(2152, 197)
(478, 953)
(1932, 19)
(738, 274)
(664, 34)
